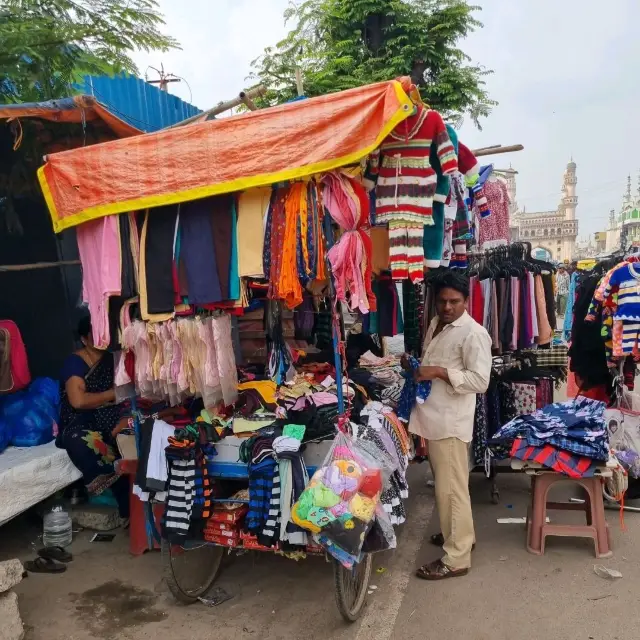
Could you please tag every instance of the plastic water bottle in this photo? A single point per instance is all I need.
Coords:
(57, 528)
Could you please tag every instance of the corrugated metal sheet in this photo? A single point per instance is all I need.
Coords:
(141, 104)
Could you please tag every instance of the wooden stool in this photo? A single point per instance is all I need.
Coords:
(593, 507)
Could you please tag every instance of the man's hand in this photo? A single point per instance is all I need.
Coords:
(431, 373)
(404, 362)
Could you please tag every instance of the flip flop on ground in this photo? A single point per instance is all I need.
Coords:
(55, 553)
(44, 565)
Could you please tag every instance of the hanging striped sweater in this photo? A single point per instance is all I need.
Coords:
(406, 180)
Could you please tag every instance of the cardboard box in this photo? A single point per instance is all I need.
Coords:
(221, 540)
(221, 526)
(251, 542)
(231, 516)
(213, 531)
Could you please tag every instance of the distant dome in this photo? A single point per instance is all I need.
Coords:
(571, 166)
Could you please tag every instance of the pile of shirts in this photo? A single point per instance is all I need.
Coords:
(381, 377)
(255, 407)
(569, 437)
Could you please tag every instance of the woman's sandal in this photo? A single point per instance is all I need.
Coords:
(438, 570)
(44, 565)
(55, 553)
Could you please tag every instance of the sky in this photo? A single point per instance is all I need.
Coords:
(565, 78)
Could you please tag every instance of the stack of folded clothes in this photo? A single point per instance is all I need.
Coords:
(568, 437)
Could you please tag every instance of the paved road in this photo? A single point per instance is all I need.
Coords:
(509, 595)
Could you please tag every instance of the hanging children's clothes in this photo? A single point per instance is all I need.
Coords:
(434, 235)
(494, 228)
(470, 169)
(407, 184)
(100, 254)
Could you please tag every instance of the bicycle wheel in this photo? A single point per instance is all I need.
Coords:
(190, 569)
(351, 587)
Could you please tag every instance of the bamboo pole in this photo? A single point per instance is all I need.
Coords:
(256, 92)
(38, 265)
(299, 86)
(250, 104)
(489, 151)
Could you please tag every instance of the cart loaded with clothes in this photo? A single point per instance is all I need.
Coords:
(216, 257)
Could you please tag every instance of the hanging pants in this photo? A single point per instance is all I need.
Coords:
(406, 252)
(449, 460)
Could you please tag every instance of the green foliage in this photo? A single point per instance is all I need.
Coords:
(340, 44)
(46, 45)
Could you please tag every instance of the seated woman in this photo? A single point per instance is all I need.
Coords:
(89, 419)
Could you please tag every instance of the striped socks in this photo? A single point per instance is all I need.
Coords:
(180, 495)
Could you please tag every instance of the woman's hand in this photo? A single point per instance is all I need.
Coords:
(122, 424)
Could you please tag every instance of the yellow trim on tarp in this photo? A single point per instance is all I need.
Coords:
(48, 198)
(239, 184)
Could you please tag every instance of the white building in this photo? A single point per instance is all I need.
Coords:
(624, 227)
(554, 231)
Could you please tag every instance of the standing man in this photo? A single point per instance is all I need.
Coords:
(562, 284)
(457, 360)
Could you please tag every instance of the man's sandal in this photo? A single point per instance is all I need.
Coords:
(438, 570)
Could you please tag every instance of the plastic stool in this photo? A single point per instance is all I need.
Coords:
(593, 507)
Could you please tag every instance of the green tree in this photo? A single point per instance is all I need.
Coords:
(46, 45)
(340, 44)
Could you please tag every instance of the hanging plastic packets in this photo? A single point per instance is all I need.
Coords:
(339, 504)
(350, 258)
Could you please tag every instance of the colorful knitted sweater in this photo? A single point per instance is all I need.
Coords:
(406, 180)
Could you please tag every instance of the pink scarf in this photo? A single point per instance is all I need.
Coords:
(349, 256)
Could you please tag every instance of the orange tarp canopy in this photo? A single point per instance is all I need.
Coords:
(185, 163)
(77, 109)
